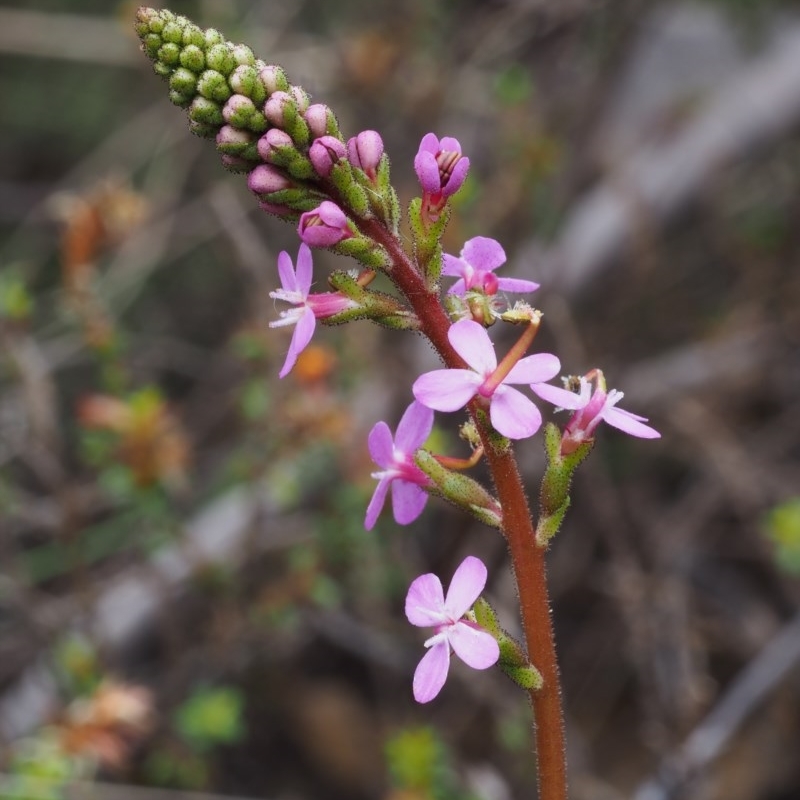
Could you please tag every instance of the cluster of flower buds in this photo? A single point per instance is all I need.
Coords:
(298, 163)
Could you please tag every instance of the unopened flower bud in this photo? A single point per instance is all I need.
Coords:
(324, 153)
(301, 97)
(274, 79)
(316, 117)
(244, 80)
(242, 54)
(272, 143)
(206, 111)
(232, 141)
(220, 58)
(365, 151)
(193, 58)
(325, 226)
(213, 86)
(266, 179)
(238, 110)
(275, 107)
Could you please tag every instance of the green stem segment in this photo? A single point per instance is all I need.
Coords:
(528, 559)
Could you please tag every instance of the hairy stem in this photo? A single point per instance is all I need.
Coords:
(528, 560)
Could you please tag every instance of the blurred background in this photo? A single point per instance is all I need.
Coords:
(189, 604)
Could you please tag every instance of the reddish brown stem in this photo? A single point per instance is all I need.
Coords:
(528, 560)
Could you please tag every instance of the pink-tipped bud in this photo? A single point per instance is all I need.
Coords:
(439, 165)
(232, 140)
(270, 144)
(325, 226)
(365, 150)
(324, 153)
(266, 179)
(274, 107)
(273, 78)
(238, 110)
(301, 97)
(316, 118)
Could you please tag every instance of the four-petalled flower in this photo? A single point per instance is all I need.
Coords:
(427, 606)
(592, 408)
(295, 286)
(396, 457)
(511, 412)
(475, 267)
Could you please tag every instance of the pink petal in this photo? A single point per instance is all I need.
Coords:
(446, 389)
(331, 214)
(425, 601)
(381, 446)
(414, 428)
(625, 421)
(534, 369)
(431, 672)
(474, 646)
(429, 143)
(427, 171)
(465, 588)
(513, 414)
(305, 266)
(457, 177)
(448, 144)
(516, 285)
(453, 267)
(483, 253)
(376, 503)
(303, 332)
(459, 287)
(471, 341)
(286, 272)
(561, 398)
(408, 501)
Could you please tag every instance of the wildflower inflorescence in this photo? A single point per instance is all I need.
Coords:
(339, 194)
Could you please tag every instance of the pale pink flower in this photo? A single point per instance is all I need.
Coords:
(511, 412)
(592, 408)
(427, 606)
(295, 286)
(324, 153)
(475, 267)
(396, 456)
(365, 150)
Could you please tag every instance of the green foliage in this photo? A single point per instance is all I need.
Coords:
(16, 303)
(782, 527)
(211, 717)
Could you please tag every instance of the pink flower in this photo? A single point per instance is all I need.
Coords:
(325, 226)
(308, 308)
(591, 408)
(440, 167)
(511, 413)
(426, 606)
(365, 150)
(396, 456)
(475, 269)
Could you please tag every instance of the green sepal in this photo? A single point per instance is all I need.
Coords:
(169, 54)
(213, 86)
(298, 199)
(295, 125)
(427, 247)
(193, 58)
(206, 111)
(245, 80)
(179, 99)
(183, 81)
(554, 493)
(513, 660)
(213, 37)
(151, 43)
(162, 69)
(193, 36)
(343, 178)
(172, 32)
(365, 251)
(219, 57)
(460, 490)
(380, 307)
(390, 205)
(299, 166)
